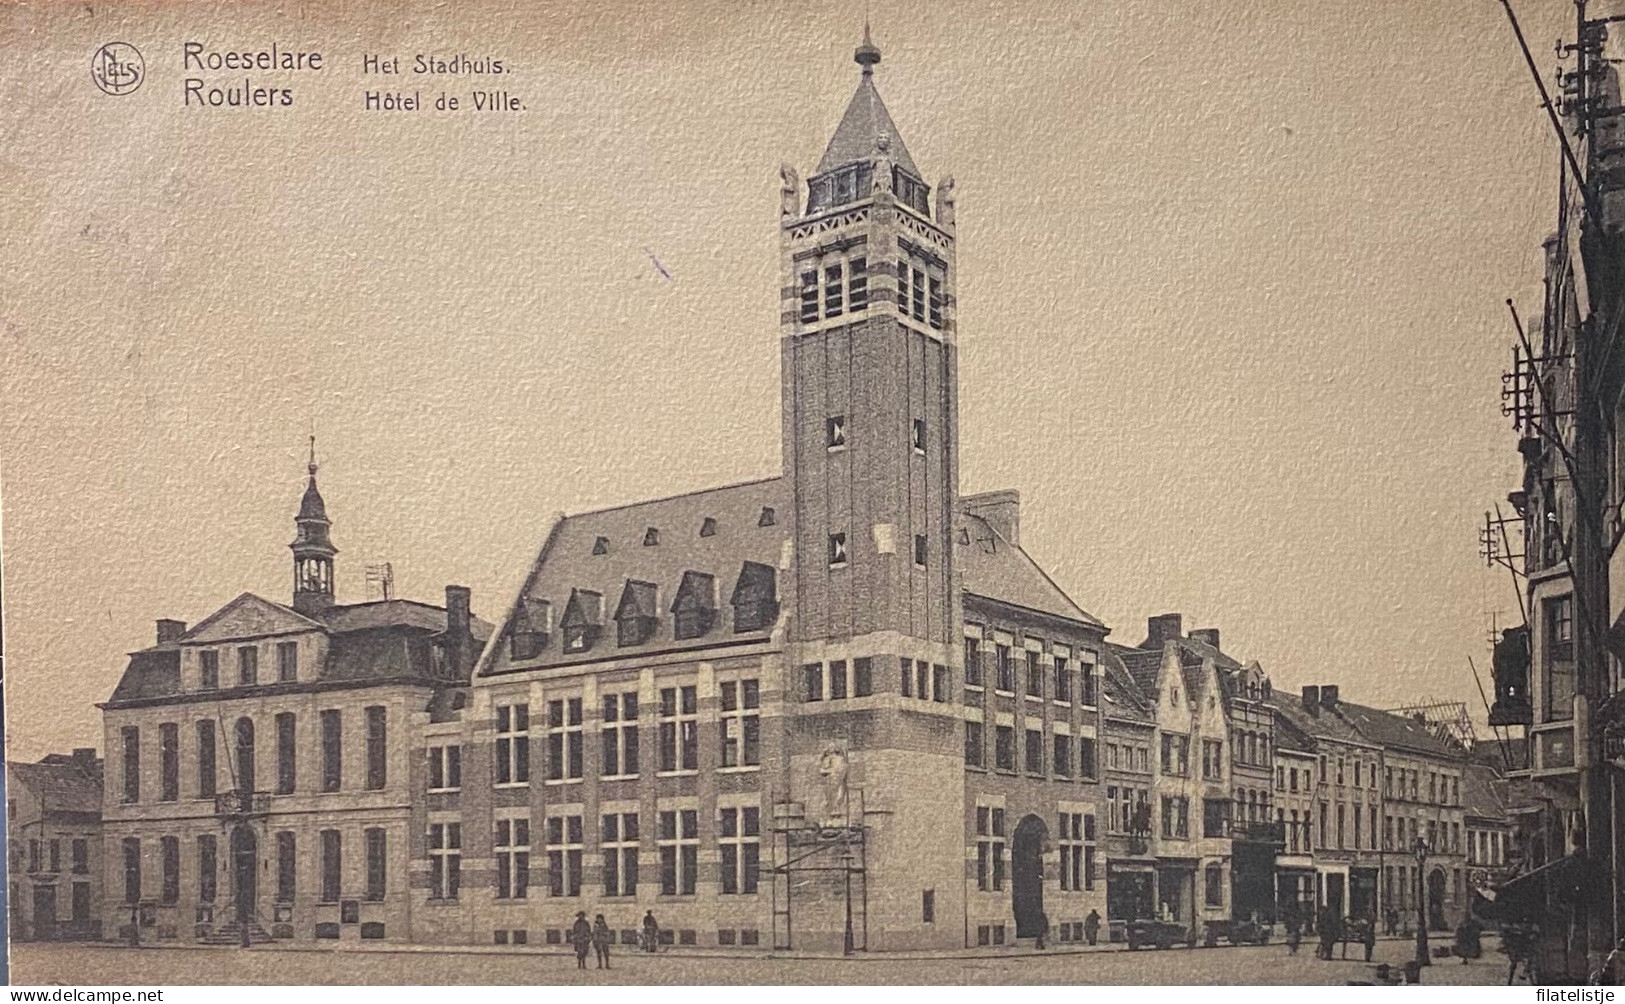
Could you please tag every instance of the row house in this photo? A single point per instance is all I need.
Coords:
(53, 827)
(260, 780)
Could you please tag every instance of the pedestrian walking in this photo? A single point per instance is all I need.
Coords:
(651, 931)
(1294, 931)
(1043, 930)
(581, 938)
(1370, 937)
(600, 941)
(1091, 926)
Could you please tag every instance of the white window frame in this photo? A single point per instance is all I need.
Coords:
(682, 835)
(447, 761)
(735, 724)
(566, 847)
(566, 740)
(512, 746)
(621, 849)
(618, 733)
(445, 847)
(511, 844)
(684, 736)
(736, 816)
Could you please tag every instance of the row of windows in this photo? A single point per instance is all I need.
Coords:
(676, 722)
(47, 856)
(1067, 757)
(1062, 681)
(1128, 756)
(838, 555)
(1443, 837)
(1251, 747)
(737, 837)
(836, 434)
(207, 861)
(248, 665)
(243, 762)
(1076, 837)
(1406, 783)
(842, 287)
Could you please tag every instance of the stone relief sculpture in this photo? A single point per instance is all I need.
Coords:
(789, 191)
(832, 767)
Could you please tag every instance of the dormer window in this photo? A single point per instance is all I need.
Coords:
(708, 527)
(694, 609)
(835, 432)
(580, 622)
(600, 546)
(532, 627)
(637, 614)
(651, 537)
(837, 550)
(768, 517)
(755, 598)
(918, 437)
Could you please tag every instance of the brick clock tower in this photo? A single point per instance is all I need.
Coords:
(870, 438)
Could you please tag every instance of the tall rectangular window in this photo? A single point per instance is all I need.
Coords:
(206, 767)
(80, 852)
(1006, 681)
(679, 729)
(332, 866)
(741, 725)
(248, 666)
(812, 681)
(903, 274)
(169, 762)
(208, 867)
(739, 838)
(377, 863)
(1063, 679)
(131, 735)
(1035, 751)
(941, 683)
(975, 745)
(1035, 675)
(445, 768)
(1071, 847)
(287, 753)
(513, 857)
(989, 848)
(377, 747)
(445, 860)
(209, 669)
(619, 735)
(1558, 655)
(973, 663)
(837, 680)
(1004, 748)
(863, 676)
(170, 857)
(832, 290)
(678, 840)
(287, 866)
(132, 869)
(513, 744)
(917, 296)
(564, 846)
(618, 836)
(809, 297)
(1062, 765)
(857, 285)
(287, 661)
(936, 303)
(332, 750)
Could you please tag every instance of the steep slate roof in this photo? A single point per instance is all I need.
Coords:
(1388, 729)
(1328, 724)
(866, 119)
(1288, 735)
(1142, 666)
(999, 570)
(1482, 794)
(1124, 699)
(61, 787)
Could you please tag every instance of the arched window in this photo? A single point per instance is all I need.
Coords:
(245, 754)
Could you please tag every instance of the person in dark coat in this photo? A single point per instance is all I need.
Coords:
(581, 938)
(1370, 937)
(1091, 926)
(651, 931)
(1294, 930)
(1043, 930)
(600, 941)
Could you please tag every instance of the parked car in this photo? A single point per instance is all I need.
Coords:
(1160, 934)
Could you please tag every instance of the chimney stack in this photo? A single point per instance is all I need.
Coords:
(457, 606)
(459, 632)
(1207, 636)
(1001, 510)
(169, 630)
(1163, 628)
(1311, 700)
(1328, 697)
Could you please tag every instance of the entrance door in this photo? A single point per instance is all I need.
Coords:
(45, 912)
(244, 870)
(1436, 900)
(1334, 895)
(1027, 877)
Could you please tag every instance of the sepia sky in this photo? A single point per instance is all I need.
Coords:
(1231, 284)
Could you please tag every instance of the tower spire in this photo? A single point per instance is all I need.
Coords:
(867, 54)
(312, 548)
(313, 455)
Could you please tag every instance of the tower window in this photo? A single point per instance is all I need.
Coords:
(708, 527)
(917, 296)
(902, 287)
(809, 297)
(919, 435)
(835, 432)
(651, 537)
(919, 549)
(837, 550)
(832, 290)
(936, 303)
(857, 284)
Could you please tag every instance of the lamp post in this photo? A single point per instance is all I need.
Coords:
(846, 874)
(1421, 850)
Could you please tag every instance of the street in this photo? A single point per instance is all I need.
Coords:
(36, 964)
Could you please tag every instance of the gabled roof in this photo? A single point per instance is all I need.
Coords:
(61, 787)
(1142, 665)
(1325, 725)
(865, 120)
(1288, 736)
(1391, 730)
(998, 570)
(1123, 698)
(1482, 794)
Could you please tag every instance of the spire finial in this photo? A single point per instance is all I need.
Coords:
(313, 455)
(867, 54)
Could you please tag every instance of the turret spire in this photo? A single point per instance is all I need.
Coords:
(867, 54)
(312, 548)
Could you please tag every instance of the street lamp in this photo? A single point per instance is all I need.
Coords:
(1421, 850)
(846, 874)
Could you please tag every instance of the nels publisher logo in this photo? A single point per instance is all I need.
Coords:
(117, 68)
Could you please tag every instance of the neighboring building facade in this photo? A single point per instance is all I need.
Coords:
(53, 827)
(260, 771)
(1296, 767)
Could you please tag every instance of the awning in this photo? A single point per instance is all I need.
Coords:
(1527, 898)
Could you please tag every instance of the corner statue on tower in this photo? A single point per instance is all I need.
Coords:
(832, 768)
(789, 191)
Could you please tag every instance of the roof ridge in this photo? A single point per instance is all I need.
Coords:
(670, 498)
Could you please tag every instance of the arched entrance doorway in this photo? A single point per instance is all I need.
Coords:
(244, 871)
(1027, 876)
(1436, 900)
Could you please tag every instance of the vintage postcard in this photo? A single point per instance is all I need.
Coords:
(769, 493)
